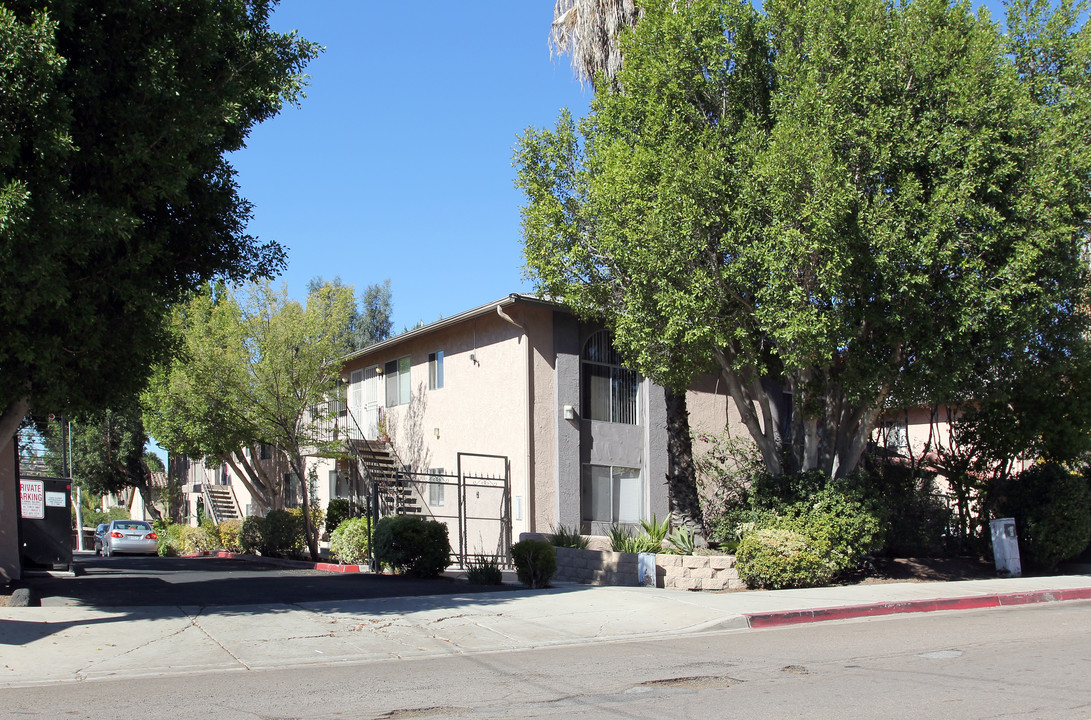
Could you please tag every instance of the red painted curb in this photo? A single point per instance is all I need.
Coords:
(794, 617)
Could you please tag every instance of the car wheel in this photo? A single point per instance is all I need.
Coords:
(106, 551)
(98, 550)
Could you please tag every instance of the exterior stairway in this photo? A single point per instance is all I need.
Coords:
(379, 464)
(222, 504)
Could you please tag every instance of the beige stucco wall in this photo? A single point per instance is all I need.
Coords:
(482, 406)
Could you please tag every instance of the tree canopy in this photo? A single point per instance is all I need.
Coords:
(116, 198)
(838, 206)
(255, 368)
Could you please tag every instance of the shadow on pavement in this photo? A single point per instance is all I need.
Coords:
(216, 585)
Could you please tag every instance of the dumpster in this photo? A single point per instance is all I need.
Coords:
(1006, 547)
(45, 523)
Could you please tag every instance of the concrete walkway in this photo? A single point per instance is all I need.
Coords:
(72, 644)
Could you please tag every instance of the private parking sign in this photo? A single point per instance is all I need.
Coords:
(32, 499)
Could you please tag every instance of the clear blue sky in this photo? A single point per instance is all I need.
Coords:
(397, 164)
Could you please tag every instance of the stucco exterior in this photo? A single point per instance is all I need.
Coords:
(509, 405)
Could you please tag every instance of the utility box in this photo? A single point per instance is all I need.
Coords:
(45, 523)
(1006, 547)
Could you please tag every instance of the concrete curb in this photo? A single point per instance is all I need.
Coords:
(781, 618)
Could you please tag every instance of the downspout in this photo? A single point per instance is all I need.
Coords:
(528, 438)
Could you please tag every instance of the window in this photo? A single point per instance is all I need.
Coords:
(339, 485)
(397, 382)
(291, 481)
(435, 487)
(609, 391)
(896, 434)
(612, 494)
(435, 370)
(265, 452)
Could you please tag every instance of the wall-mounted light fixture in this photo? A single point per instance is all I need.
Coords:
(569, 412)
(437, 433)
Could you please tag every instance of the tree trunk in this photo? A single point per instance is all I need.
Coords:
(685, 501)
(10, 418)
(308, 522)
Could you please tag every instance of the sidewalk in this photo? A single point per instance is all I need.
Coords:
(64, 644)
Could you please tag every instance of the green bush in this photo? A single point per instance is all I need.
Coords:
(412, 545)
(484, 572)
(252, 534)
(339, 511)
(569, 538)
(916, 517)
(847, 525)
(283, 536)
(683, 541)
(535, 562)
(167, 534)
(192, 540)
(229, 535)
(1052, 511)
(776, 558)
(349, 541)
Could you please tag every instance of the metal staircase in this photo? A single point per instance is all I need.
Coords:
(379, 465)
(220, 502)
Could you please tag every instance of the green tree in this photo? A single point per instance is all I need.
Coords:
(256, 367)
(108, 454)
(588, 31)
(116, 198)
(837, 206)
(370, 320)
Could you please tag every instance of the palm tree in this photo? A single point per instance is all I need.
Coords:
(587, 31)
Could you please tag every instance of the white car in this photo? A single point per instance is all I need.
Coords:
(130, 536)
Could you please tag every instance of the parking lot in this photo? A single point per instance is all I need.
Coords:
(127, 581)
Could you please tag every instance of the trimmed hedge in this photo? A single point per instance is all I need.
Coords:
(777, 558)
(412, 545)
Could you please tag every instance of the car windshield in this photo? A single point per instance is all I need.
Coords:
(134, 525)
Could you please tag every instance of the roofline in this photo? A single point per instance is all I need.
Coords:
(485, 309)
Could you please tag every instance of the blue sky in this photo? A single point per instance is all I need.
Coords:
(397, 164)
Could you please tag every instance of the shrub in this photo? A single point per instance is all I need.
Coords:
(776, 558)
(252, 534)
(845, 524)
(412, 545)
(339, 511)
(484, 572)
(283, 535)
(229, 531)
(569, 538)
(349, 541)
(1052, 511)
(535, 562)
(167, 533)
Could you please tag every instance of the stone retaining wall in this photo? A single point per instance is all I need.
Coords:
(595, 567)
(677, 572)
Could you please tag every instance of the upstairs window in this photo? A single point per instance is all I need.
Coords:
(398, 389)
(609, 391)
(435, 370)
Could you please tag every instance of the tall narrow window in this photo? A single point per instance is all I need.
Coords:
(435, 370)
(609, 391)
(398, 389)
